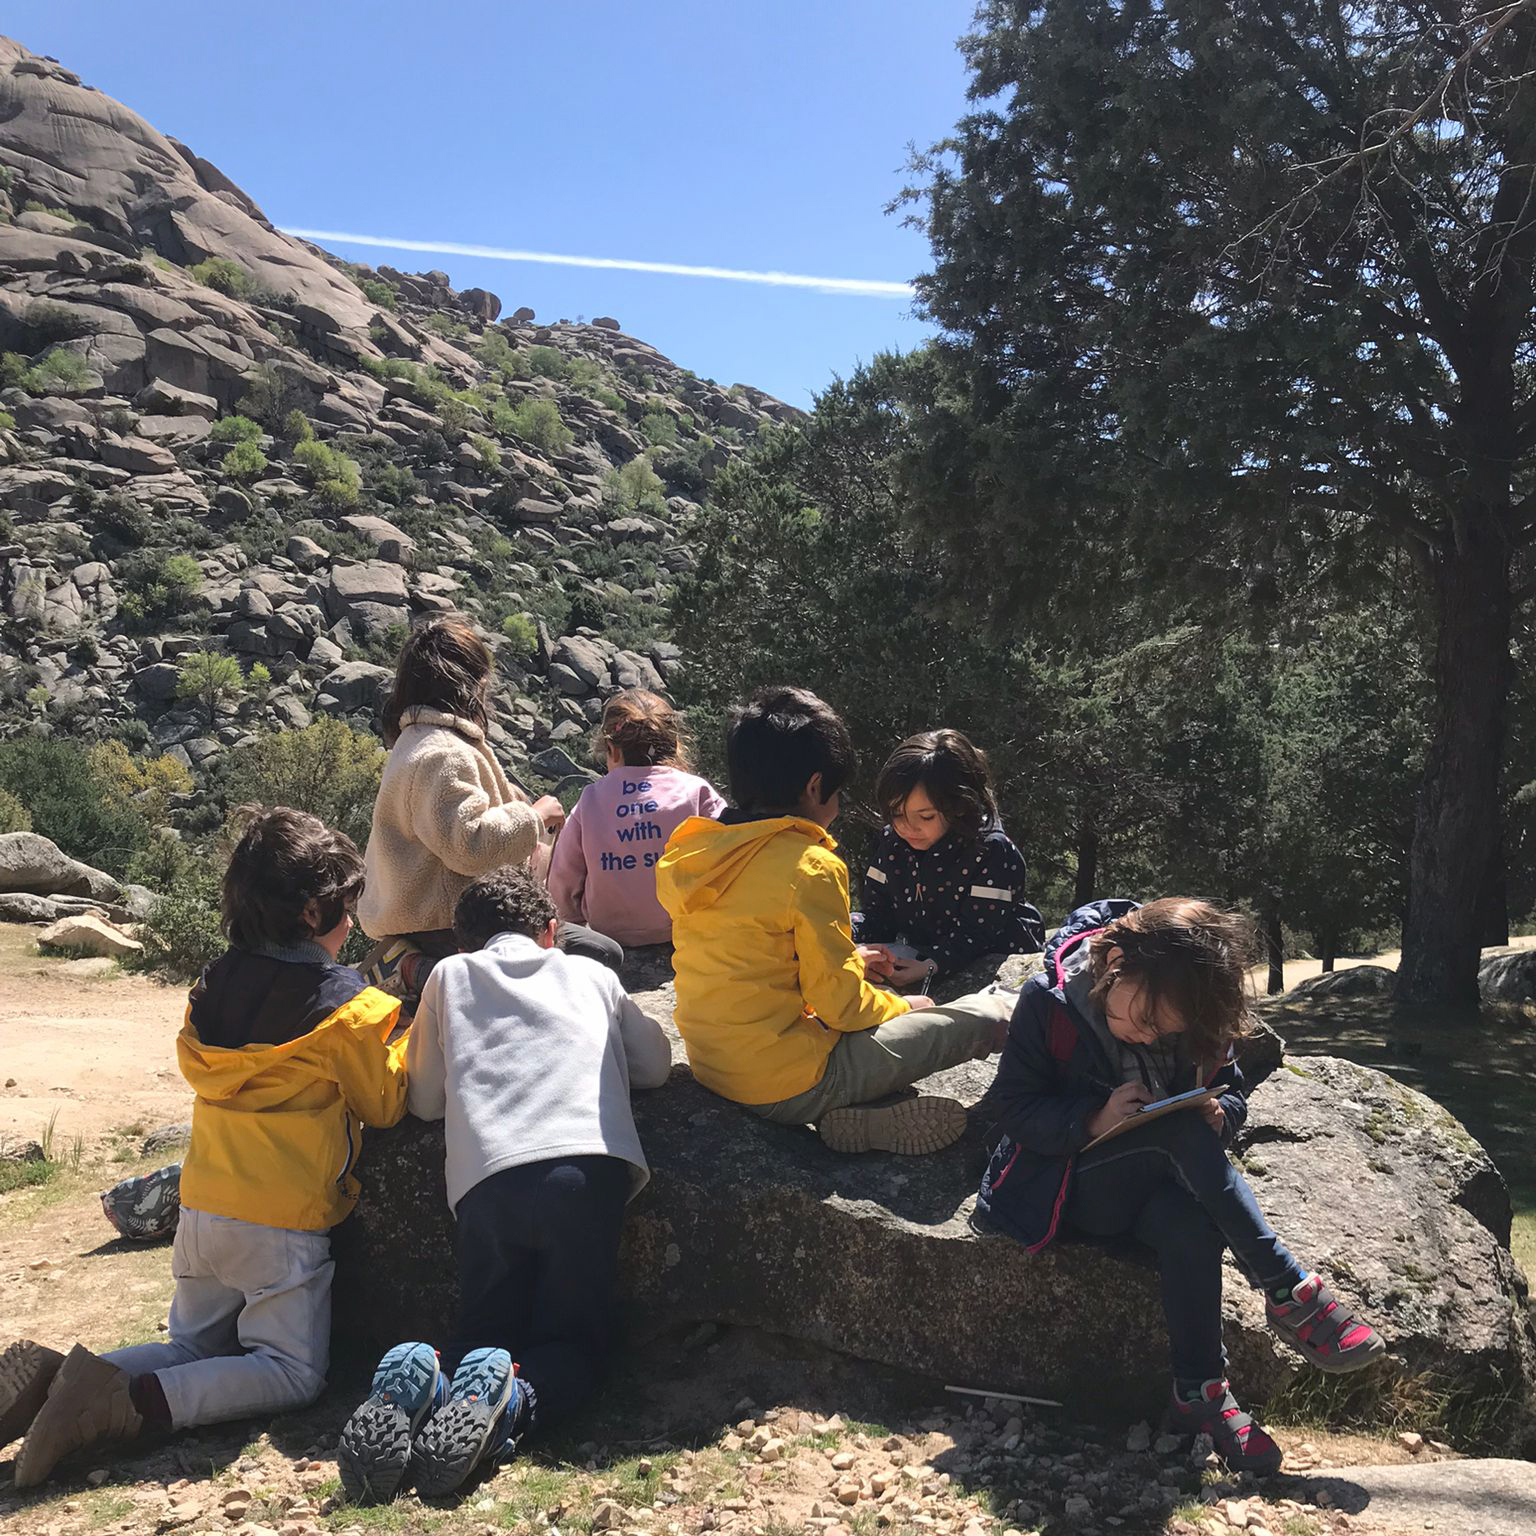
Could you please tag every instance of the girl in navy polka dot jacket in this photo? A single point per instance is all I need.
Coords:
(944, 880)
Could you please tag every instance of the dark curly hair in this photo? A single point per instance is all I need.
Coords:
(953, 773)
(284, 860)
(508, 900)
(1190, 954)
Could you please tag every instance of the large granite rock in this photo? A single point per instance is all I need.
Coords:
(30, 863)
(758, 1224)
(81, 149)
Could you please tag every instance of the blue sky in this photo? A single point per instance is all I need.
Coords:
(731, 134)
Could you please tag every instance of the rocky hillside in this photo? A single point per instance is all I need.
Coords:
(218, 441)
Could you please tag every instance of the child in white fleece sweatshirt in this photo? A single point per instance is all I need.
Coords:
(528, 1055)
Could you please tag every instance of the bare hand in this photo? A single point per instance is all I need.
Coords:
(878, 961)
(904, 972)
(550, 812)
(1124, 1101)
(921, 1002)
(1214, 1115)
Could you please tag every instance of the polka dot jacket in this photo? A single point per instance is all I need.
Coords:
(951, 902)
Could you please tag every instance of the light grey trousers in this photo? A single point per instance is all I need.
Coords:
(250, 1325)
(870, 1063)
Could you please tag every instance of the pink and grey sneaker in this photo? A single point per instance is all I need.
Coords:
(1241, 1443)
(1318, 1326)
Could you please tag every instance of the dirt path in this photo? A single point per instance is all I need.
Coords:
(84, 1047)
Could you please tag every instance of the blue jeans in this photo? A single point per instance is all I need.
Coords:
(1171, 1186)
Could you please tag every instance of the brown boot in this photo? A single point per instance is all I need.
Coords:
(26, 1369)
(88, 1401)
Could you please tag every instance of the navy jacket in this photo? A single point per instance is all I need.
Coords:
(951, 902)
(1053, 1077)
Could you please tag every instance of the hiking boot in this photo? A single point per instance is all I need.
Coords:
(1318, 1326)
(26, 1372)
(375, 1445)
(1239, 1441)
(88, 1401)
(487, 1410)
(910, 1126)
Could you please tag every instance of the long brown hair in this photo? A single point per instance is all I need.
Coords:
(644, 729)
(443, 665)
(1193, 955)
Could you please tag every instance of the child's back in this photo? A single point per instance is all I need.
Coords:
(604, 868)
(527, 1054)
(760, 922)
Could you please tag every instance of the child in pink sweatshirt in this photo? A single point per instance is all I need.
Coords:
(604, 870)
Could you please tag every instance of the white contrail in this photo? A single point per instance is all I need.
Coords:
(869, 288)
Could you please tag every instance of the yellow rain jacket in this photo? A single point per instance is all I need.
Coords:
(767, 973)
(289, 1059)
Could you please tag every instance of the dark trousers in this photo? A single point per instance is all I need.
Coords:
(573, 938)
(537, 1250)
(1171, 1186)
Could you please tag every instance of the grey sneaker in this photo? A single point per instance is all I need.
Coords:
(911, 1127)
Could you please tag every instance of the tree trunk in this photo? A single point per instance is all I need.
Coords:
(1087, 880)
(1457, 820)
(1493, 924)
(1330, 948)
(1274, 940)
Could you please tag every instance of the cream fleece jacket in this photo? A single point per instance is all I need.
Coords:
(446, 814)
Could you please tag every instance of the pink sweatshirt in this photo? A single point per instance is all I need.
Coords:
(604, 869)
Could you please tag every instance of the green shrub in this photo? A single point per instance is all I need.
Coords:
(659, 429)
(142, 783)
(245, 461)
(539, 422)
(155, 588)
(327, 769)
(521, 631)
(450, 330)
(547, 362)
(14, 816)
(224, 276)
(33, 206)
(636, 488)
(487, 450)
(296, 427)
(182, 936)
(393, 483)
(609, 398)
(118, 519)
(337, 479)
(235, 429)
(59, 373)
(269, 397)
(55, 783)
(383, 294)
(209, 678)
(499, 355)
(584, 374)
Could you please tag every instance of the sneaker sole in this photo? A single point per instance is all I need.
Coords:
(26, 1372)
(911, 1128)
(454, 1440)
(374, 1451)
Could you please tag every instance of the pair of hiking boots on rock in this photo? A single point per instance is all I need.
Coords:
(61, 1403)
(417, 1424)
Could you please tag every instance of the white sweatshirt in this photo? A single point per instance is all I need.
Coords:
(528, 1054)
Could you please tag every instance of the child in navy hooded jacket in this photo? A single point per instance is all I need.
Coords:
(1136, 1005)
(945, 883)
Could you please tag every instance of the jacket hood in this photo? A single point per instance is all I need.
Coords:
(705, 858)
(1081, 921)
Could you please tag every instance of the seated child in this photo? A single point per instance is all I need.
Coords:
(1137, 1004)
(446, 812)
(604, 868)
(287, 1052)
(773, 1003)
(528, 1056)
(944, 879)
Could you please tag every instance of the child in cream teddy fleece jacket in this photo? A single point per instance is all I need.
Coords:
(446, 812)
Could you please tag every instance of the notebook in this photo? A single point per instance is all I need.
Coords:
(1156, 1111)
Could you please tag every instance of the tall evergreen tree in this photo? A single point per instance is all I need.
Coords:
(1239, 292)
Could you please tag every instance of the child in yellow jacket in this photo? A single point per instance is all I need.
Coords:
(288, 1052)
(773, 1001)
